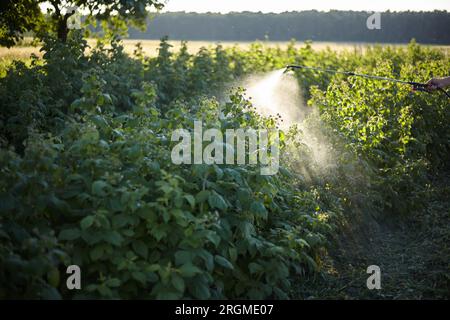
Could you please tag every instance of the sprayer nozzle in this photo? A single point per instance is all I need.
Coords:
(288, 70)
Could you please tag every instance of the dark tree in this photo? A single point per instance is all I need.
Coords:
(396, 27)
(20, 16)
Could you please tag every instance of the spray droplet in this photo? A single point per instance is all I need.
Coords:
(276, 94)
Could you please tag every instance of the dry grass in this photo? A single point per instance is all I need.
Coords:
(20, 53)
(150, 47)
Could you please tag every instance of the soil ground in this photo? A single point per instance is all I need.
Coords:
(412, 252)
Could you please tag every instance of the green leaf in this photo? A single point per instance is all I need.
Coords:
(213, 237)
(188, 270)
(215, 200)
(233, 254)
(202, 196)
(119, 221)
(200, 291)
(69, 234)
(310, 262)
(218, 171)
(98, 188)
(183, 257)
(153, 268)
(139, 276)
(247, 229)
(114, 282)
(158, 232)
(191, 200)
(285, 172)
(104, 291)
(96, 253)
(223, 262)
(140, 248)
(113, 237)
(255, 268)
(208, 258)
(244, 195)
(259, 209)
(303, 243)
(53, 277)
(87, 222)
(178, 282)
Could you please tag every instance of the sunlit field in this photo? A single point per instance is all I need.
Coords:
(150, 47)
(24, 51)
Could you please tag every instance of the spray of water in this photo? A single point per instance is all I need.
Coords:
(313, 150)
(278, 93)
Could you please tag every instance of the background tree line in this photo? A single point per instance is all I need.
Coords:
(396, 27)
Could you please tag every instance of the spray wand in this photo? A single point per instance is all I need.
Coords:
(416, 86)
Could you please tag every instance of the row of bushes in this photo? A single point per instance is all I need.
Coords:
(86, 176)
(89, 181)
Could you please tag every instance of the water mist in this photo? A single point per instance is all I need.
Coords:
(276, 93)
(279, 93)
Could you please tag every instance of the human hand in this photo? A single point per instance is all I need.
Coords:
(437, 83)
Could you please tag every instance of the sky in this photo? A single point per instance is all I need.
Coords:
(276, 6)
